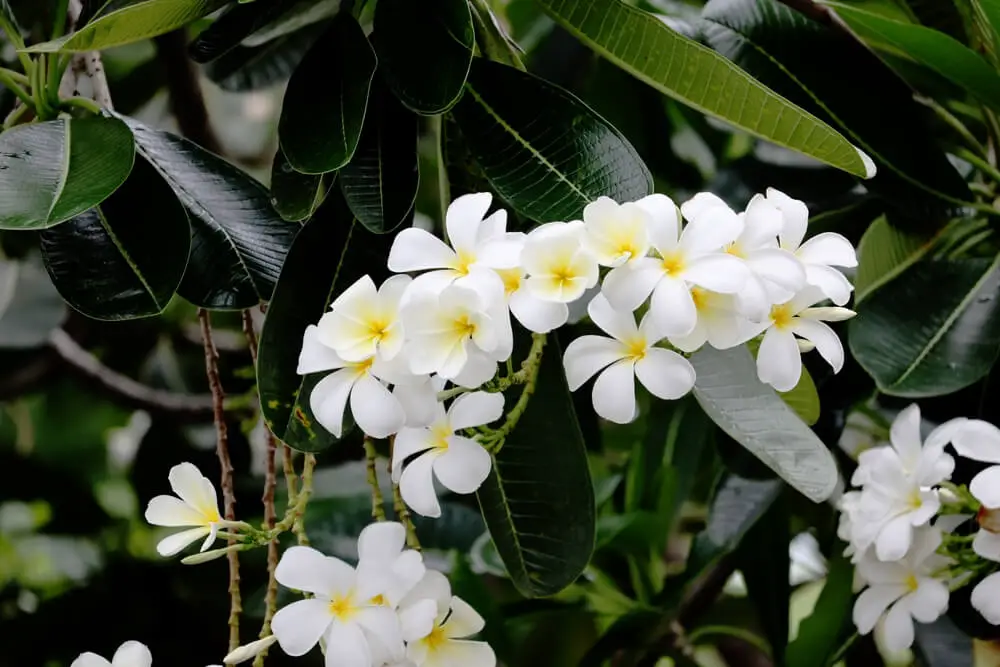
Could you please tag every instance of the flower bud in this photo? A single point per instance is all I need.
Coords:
(248, 651)
(198, 559)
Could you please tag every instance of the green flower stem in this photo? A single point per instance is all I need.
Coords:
(378, 512)
(730, 631)
(979, 163)
(436, 126)
(16, 82)
(305, 492)
(954, 123)
(493, 439)
(80, 103)
(14, 35)
(842, 651)
(59, 22)
(14, 118)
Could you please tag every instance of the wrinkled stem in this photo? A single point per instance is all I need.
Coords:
(305, 491)
(493, 439)
(378, 512)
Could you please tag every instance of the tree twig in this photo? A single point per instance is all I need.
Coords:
(187, 101)
(378, 512)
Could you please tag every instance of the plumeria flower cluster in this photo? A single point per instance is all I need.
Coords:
(913, 535)
(658, 280)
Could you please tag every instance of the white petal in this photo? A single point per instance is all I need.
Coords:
(718, 272)
(382, 624)
(417, 486)
(978, 440)
(416, 250)
(898, 628)
(872, 603)
(194, 488)
(353, 340)
(985, 486)
(375, 409)
(614, 392)
(796, 218)
(89, 659)
(665, 373)
(778, 361)
(347, 646)
(434, 586)
(627, 287)
(315, 356)
(463, 218)
(664, 225)
(586, 355)
(905, 435)
(929, 601)
(418, 402)
(475, 409)
(537, 315)
(985, 599)
(673, 308)
(824, 314)
(479, 368)
(826, 341)
(457, 653)
(417, 620)
(763, 222)
(779, 267)
(700, 203)
(382, 541)
(694, 340)
(408, 442)
(132, 654)
(831, 282)
(464, 466)
(711, 230)
(987, 545)
(894, 539)
(501, 253)
(619, 324)
(175, 543)
(828, 249)
(305, 569)
(171, 511)
(328, 399)
(494, 225)
(464, 621)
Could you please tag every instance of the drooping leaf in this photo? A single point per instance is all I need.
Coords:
(821, 633)
(30, 307)
(931, 330)
(769, 40)
(424, 51)
(294, 195)
(255, 67)
(684, 69)
(50, 172)
(538, 501)
(764, 561)
(236, 23)
(302, 14)
(548, 158)
(126, 21)
(320, 126)
(114, 263)
(754, 415)
(238, 241)
(332, 251)
(936, 50)
(884, 252)
(380, 183)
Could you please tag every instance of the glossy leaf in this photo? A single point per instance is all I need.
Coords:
(680, 67)
(294, 195)
(822, 631)
(885, 251)
(111, 263)
(938, 51)
(332, 251)
(424, 51)
(50, 172)
(30, 307)
(538, 501)
(380, 183)
(931, 330)
(252, 68)
(548, 158)
(125, 21)
(301, 14)
(754, 415)
(234, 24)
(768, 40)
(320, 125)
(238, 241)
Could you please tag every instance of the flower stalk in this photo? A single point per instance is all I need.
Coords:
(378, 511)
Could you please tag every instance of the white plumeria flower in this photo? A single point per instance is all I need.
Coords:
(382, 553)
(807, 562)
(375, 410)
(344, 610)
(629, 354)
(459, 463)
(419, 398)
(689, 257)
(898, 480)
(720, 322)
(909, 589)
(129, 654)
(196, 504)
(365, 320)
(615, 233)
(779, 359)
(535, 314)
(477, 245)
(820, 253)
(560, 269)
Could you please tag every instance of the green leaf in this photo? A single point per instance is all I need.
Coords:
(320, 124)
(380, 183)
(754, 415)
(253, 68)
(294, 195)
(126, 21)
(931, 330)
(50, 172)
(30, 307)
(550, 157)
(302, 14)
(764, 561)
(821, 633)
(806, 61)
(238, 241)
(424, 51)
(936, 50)
(985, 19)
(645, 47)
(538, 501)
(884, 252)
(236, 23)
(112, 264)
(332, 251)
(803, 397)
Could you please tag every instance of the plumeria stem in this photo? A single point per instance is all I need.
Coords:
(493, 439)
(16, 83)
(954, 123)
(979, 163)
(288, 467)
(730, 631)
(305, 492)
(399, 506)
(80, 103)
(14, 35)
(378, 512)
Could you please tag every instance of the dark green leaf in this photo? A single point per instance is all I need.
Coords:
(380, 183)
(301, 14)
(238, 241)
(295, 195)
(822, 631)
(252, 68)
(942, 644)
(548, 158)
(754, 415)
(884, 252)
(764, 561)
(50, 172)
(769, 40)
(332, 251)
(111, 263)
(30, 307)
(680, 67)
(931, 330)
(127, 21)
(538, 501)
(424, 51)
(985, 20)
(236, 23)
(320, 124)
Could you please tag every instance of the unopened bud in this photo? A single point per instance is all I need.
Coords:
(198, 559)
(248, 651)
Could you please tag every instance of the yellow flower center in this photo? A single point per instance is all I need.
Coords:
(362, 367)
(914, 500)
(636, 349)
(436, 639)
(440, 434)
(378, 329)
(700, 298)
(911, 583)
(782, 315)
(464, 261)
(343, 608)
(511, 279)
(673, 263)
(562, 276)
(464, 326)
(735, 250)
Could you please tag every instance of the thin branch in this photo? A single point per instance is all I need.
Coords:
(399, 506)
(305, 492)
(187, 101)
(222, 449)
(378, 512)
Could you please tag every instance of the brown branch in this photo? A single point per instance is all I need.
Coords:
(187, 101)
(222, 449)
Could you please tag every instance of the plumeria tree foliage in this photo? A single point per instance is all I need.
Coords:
(526, 320)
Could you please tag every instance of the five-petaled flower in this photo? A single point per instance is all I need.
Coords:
(195, 504)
